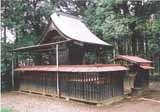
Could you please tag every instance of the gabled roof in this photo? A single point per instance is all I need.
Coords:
(132, 59)
(73, 28)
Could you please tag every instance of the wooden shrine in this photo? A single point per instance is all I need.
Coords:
(56, 66)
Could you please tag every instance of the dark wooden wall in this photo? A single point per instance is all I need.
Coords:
(142, 78)
(66, 55)
(69, 53)
(38, 82)
(76, 54)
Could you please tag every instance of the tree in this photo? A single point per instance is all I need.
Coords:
(125, 24)
(73, 7)
(26, 19)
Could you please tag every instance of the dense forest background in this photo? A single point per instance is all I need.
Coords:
(131, 26)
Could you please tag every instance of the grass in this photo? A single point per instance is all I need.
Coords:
(5, 110)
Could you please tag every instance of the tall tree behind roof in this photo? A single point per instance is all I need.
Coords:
(27, 18)
(127, 24)
(73, 7)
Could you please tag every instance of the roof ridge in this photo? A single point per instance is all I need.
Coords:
(67, 15)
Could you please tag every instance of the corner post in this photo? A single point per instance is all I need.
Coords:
(57, 65)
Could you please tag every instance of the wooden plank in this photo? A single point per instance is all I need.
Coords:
(82, 100)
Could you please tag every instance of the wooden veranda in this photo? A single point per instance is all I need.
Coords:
(91, 83)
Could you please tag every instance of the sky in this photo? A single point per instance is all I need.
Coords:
(10, 35)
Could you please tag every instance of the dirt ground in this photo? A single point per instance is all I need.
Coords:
(26, 102)
(22, 102)
(154, 85)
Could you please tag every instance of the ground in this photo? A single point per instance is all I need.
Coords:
(26, 102)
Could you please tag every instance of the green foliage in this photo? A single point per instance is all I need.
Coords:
(115, 22)
(105, 22)
(5, 110)
(6, 59)
(26, 19)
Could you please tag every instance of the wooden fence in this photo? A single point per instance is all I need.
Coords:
(82, 86)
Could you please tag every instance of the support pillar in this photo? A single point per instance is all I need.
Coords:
(57, 63)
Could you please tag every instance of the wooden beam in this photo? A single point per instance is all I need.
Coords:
(49, 49)
(38, 46)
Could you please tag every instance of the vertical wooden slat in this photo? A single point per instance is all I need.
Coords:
(98, 91)
(93, 85)
(88, 83)
(85, 86)
(90, 86)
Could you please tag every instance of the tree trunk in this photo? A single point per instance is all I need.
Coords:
(141, 44)
(146, 46)
(134, 45)
(5, 37)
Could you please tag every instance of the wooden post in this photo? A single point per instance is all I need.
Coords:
(114, 55)
(57, 62)
(12, 71)
(158, 65)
